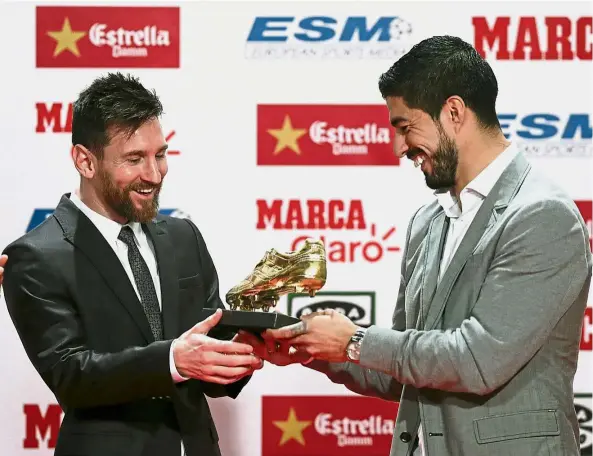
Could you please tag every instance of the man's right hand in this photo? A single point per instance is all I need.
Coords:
(278, 353)
(217, 361)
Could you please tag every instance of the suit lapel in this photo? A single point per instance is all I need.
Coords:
(80, 231)
(466, 247)
(498, 198)
(432, 257)
(168, 276)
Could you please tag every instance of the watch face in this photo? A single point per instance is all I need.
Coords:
(352, 352)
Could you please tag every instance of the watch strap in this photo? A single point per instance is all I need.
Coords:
(355, 343)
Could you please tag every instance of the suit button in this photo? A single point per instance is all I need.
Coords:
(405, 437)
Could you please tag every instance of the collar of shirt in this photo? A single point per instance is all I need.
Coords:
(110, 229)
(478, 189)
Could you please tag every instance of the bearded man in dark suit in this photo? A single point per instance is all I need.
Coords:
(105, 294)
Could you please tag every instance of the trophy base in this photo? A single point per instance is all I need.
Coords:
(251, 321)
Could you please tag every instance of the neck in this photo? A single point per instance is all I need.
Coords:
(475, 155)
(90, 197)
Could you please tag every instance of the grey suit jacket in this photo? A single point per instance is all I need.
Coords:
(485, 359)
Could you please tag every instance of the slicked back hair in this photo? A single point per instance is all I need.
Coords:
(112, 104)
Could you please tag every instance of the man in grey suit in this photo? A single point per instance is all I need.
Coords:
(494, 281)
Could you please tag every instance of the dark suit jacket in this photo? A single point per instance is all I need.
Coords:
(85, 331)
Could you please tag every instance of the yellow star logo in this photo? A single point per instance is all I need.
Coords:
(292, 428)
(66, 39)
(287, 136)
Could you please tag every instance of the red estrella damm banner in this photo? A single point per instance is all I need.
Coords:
(327, 425)
(107, 37)
(310, 135)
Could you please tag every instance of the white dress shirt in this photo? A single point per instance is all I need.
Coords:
(110, 231)
(461, 216)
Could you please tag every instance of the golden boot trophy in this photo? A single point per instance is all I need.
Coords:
(276, 274)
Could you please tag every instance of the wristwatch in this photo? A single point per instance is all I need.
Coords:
(353, 347)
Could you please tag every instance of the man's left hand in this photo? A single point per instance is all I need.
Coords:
(323, 335)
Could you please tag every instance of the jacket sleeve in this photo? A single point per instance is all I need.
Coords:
(364, 380)
(47, 322)
(213, 301)
(542, 264)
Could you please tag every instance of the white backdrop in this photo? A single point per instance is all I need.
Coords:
(211, 104)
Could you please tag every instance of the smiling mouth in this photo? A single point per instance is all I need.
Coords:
(145, 192)
(418, 158)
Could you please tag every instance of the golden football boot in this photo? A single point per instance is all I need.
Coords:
(277, 274)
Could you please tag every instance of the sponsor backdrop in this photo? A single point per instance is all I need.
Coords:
(278, 132)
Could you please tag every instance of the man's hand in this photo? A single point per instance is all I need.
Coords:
(3, 260)
(217, 361)
(278, 353)
(323, 335)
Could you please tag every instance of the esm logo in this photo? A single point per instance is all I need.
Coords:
(358, 306)
(548, 134)
(328, 37)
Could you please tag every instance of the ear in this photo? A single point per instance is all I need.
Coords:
(454, 112)
(84, 161)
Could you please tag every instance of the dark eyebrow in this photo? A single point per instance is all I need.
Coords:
(395, 121)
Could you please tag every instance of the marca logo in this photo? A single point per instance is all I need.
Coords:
(582, 406)
(324, 135)
(358, 306)
(107, 37)
(57, 118)
(550, 135)
(345, 217)
(40, 215)
(327, 37)
(41, 426)
(587, 331)
(531, 38)
(586, 210)
(327, 425)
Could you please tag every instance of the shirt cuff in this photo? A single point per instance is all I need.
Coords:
(177, 377)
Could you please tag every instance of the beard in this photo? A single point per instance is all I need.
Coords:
(120, 201)
(444, 163)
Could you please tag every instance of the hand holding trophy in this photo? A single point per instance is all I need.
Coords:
(276, 274)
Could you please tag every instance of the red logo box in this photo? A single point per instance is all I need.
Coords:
(327, 425)
(356, 135)
(107, 37)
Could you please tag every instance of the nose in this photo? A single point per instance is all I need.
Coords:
(151, 172)
(400, 146)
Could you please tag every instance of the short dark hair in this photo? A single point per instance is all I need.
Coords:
(114, 103)
(437, 68)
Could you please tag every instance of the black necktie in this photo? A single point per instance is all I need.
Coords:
(144, 283)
